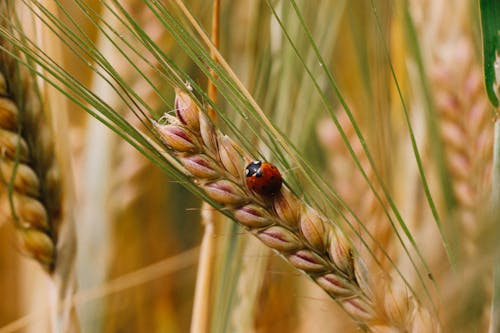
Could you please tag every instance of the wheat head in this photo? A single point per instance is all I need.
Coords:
(300, 234)
(30, 181)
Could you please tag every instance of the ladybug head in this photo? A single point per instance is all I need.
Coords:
(253, 169)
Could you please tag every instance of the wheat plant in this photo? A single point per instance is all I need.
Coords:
(373, 112)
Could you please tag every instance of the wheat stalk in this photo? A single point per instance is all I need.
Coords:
(122, 192)
(305, 238)
(250, 283)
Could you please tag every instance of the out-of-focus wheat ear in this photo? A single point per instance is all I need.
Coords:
(467, 131)
(468, 135)
(463, 115)
(35, 168)
(305, 238)
(29, 174)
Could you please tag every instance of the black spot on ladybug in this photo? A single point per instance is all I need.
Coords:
(253, 168)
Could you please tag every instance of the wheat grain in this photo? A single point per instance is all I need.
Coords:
(300, 234)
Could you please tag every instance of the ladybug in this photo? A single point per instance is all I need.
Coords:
(263, 178)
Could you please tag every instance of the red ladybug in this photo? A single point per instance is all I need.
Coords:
(263, 178)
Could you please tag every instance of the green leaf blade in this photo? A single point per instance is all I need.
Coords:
(490, 24)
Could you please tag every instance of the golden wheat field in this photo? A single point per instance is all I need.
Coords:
(249, 166)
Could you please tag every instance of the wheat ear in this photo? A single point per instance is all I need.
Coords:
(30, 179)
(468, 134)
(300, 234)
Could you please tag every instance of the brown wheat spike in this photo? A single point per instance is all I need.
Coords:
(300, 234)
(30, 191)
